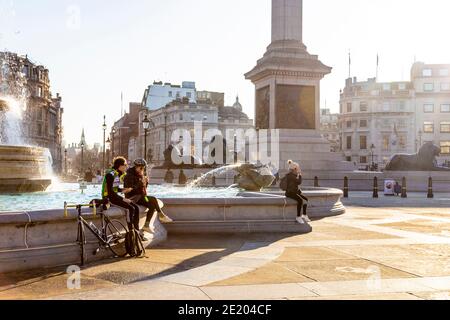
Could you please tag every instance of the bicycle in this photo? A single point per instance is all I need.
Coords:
(111, 235)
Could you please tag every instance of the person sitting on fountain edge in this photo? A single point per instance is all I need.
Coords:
(137, 179)
(294, 180)
(111, 188)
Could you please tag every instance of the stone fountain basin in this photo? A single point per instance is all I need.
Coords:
(42, 239)
(24, 169)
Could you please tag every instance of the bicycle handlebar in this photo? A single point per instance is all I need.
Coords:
(79, 207)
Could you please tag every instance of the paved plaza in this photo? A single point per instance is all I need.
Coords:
(399, 251)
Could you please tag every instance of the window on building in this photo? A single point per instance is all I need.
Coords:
(427, 72)
(363, 124)
(192, 117)
(387, 87)
(445, 86)
(428, 127)
(445, 127)
(402, 86)
(402, 105)
(189, 95)
(40, 92)
(170, 94)
(443, 72)
(386, 141)
(181, 117)
(363, 142)
(348, 159)
(428, 87)
(178, 95)
(428, 108)
(445, 108)
(39, 130)
(349, 107)
(363, 107)
(363, 160)
(445, 147)
(349, 124)
(386, 106)
(349, 143)
(205, 118)
(402, 141)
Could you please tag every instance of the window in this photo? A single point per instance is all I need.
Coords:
(192, 117)
(386, 143)
(445, 86)
(170, 94)
(402, 141)
(427, 72)
(363, 160)
(428, 87)
(428, 108)
(445, 127)
(39, 130)
(443, 72)
(402, 86)
(402, 105)
(349, 107)
(181, 117)
(363, 142)
(349, 124)
(348, 159)
(386, 86)
(428, 127)
(445, 147)
(189, 95)
(363, 124)
(178, 94)
(386, 106)
(205, 118)
(363, 107)
(40, 92)
(445, 108)
(349, 143)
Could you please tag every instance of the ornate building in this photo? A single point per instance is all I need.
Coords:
(42, 119)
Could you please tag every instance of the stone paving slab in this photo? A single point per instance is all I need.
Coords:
(372, 297)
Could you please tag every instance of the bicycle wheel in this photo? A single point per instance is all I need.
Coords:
(115, 237)
(82, 242)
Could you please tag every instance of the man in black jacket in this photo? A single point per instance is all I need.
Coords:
(137, 180)
(294, 180)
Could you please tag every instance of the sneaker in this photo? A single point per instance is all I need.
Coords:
(306, 219)
(300, 220)
(164, 218)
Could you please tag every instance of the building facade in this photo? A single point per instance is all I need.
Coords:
(329, 126)
(159, 95)
(42, 119)
(378, 120)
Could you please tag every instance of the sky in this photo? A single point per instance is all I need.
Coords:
(96, 49)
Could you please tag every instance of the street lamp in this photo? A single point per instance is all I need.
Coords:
(82, 158)
(372, 148)
(104, 141)
(65, 161)
(146, 123)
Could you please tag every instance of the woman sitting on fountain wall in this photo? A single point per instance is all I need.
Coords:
(111, 188)
(137, 180)
(294, 180)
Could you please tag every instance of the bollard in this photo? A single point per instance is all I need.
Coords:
(316, 182)
(375, 187)
(182, 179)
(214, 183)
(404, 193)
(346, 187)
(430, 188)
(168, 178)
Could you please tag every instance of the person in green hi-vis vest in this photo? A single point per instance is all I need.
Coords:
(137, 179)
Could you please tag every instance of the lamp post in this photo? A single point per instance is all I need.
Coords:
(146, 125)
(65, 162)
(113, 131)
(109, 148)
(372, 148)
(82, 158)
(104, 141)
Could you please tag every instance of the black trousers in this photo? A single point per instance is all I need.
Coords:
(133, 213)
(152, 205)
(301, 199)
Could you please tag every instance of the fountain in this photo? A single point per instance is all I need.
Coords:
(23, 168)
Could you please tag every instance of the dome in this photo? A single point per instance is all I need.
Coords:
(237, 104)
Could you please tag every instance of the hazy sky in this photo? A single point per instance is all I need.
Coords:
(95, 49)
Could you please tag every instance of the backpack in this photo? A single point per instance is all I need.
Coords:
(284, 184)
(133, 244)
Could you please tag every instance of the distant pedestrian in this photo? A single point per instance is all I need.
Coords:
(397, 189)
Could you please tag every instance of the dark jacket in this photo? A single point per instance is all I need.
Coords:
(136, 182)
(293, 183)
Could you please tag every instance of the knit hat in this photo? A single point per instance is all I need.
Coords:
(293, 165)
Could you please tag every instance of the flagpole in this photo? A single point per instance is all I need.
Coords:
(378, 64)
(121, 104)
(349, 64)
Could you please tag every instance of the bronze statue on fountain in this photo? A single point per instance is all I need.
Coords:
(424, 160)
